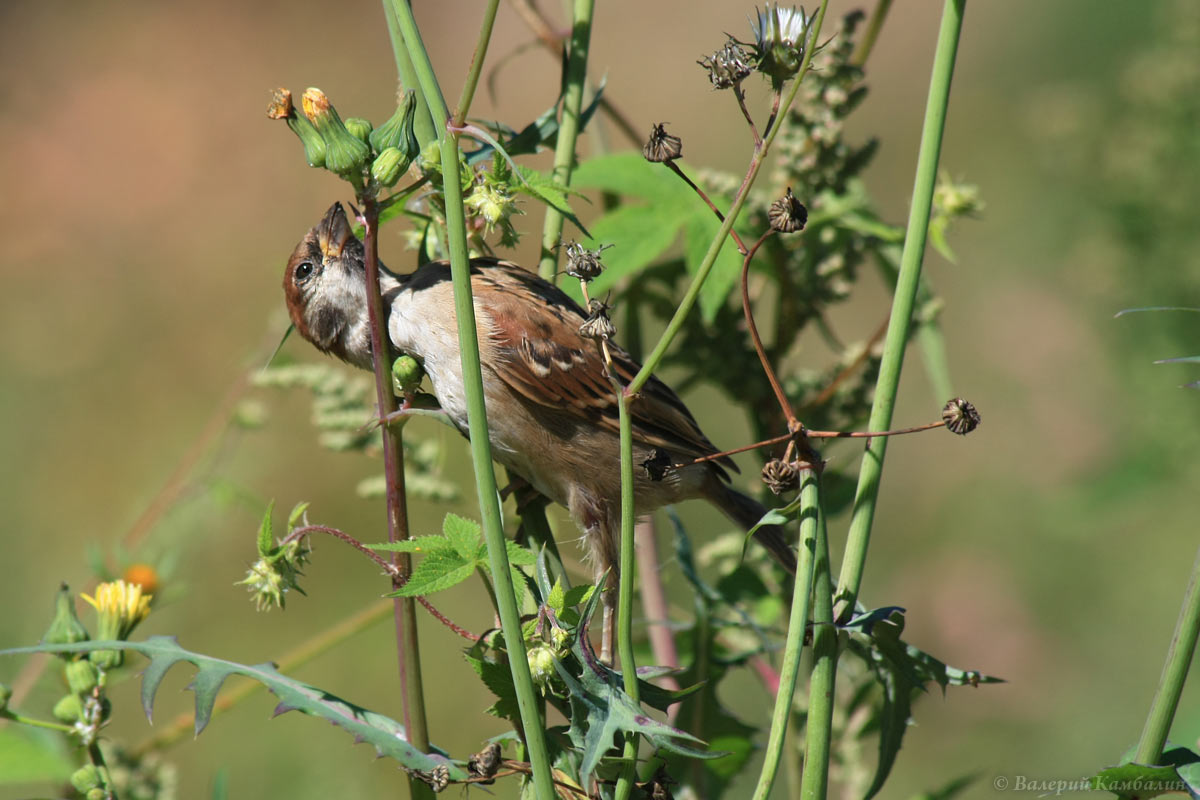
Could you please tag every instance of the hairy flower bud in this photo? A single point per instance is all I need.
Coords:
(398, 131)
(389, 165)
(360, 128)
(344, 152)
(66, 627)
(407, 374)
(82, 676)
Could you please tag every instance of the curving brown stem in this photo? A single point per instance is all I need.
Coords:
(741, 101)
(784, 404)
(675, 168)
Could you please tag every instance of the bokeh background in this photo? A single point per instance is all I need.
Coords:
(149, 206)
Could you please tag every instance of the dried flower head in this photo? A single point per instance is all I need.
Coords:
(598, 325)
(485, 763)
(439, 778)
(780, 38)
(584, 264)
(658, 465)
(281, 104)
(780, 476)
(787, 214)
(727, 67)
(662, 146)
(960, 416)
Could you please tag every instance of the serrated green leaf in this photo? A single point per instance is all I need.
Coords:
(434, 573)
(464, 535)
(297, 513)
(385, 734)
(631, 175)
(557, 597)
(418, 544)
(700, 230)
(518, 556)
(498, 679)
(266, 539)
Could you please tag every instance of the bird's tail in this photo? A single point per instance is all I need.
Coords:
(746, 511)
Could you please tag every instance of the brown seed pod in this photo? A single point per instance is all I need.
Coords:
(662, 146)
(780, 476)
(787, 214)
(960, 416)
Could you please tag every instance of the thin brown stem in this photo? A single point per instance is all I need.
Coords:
(784, 403)
(299, 533)
(741, 101)
(675, 168)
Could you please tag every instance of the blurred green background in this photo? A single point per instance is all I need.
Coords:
(149, 207)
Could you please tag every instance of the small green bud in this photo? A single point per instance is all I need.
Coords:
(344, 153)
(314, 146)
(86, 778)
(5, 695)
(82, 676)
(96, 794)
(107, 659)
(389, 166)
(541, 663)
(407, 373)
(66, 627)
(361, 128)
(431, 156)
(398, 131)
(69, 708)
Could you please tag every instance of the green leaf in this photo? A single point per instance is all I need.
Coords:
(385, 734)
(640, 234)
(464, 535)
(266, 541)
(700, 230)
(557, 598)
(417, 544)
(629, 174)
(33, 756)
(498, 679)
(297, 514)
(435, 572)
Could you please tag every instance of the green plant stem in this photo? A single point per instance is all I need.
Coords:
(867, 43)
(907, 283)
(568, 129)
(714, 249)
(810, 501)
(476, 67)
(412, 692)
(819, 731)
(1175, 670)
(625, 597)
(485, 476)
(35, 723)
(422, 122)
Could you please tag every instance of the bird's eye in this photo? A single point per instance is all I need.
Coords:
(303, 270)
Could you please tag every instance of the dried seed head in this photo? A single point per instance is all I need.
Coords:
(485, 763)
(658, 787)
(662, 146)
(598, 325)
(787, 214)
(780, 476)
(584, 264)
(658, 465)
(727, 67)
(960, 416)
(281, 104)
(439, 778)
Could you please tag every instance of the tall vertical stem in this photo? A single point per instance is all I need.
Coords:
(481, 455)
(818, 732)
(854, 560)
(568, 129)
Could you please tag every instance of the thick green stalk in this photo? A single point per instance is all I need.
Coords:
(1175, 670)
(867, 43)
(476, 68)
(854, 560)
(710, 257)
(810, 503)
(625, 596)
(818, 733)
(485, 476)
(422, 122)
(568, 130)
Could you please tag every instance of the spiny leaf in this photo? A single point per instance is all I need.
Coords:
(385, 734)
(265, 538)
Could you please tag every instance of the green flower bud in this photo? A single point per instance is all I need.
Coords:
(344, 153)
(541, 663)
(431, 156)
(96, 794)
(389, 166)
(69, 708)
(86, 778)
(66, 627)
(361, 128)
(314, 146)
(398, 130)
(407, 373)
(107, 659)
(82, 676)
(5, 695)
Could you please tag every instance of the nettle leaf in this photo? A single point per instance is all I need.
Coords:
(463, 534)
(266, 539)
(642, 232)
(434, 573)
(386, 735)
(498, 679)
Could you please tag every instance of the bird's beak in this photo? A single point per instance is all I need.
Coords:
(333, 232)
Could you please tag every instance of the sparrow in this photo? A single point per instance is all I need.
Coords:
(551, 407)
